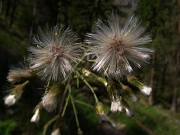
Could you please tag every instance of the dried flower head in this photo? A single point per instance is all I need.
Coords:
(51, 98)
(49, 102)
(18, 74)
(116, 46)
(56, 49)
(23, 72)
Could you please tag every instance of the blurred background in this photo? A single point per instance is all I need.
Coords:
(157, 114)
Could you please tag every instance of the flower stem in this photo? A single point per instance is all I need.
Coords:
(83, 103)
(48, 123)
(47, 86)
(25, 83)
(77, 64)
(75, 112)
(84, 80)
(65, 106)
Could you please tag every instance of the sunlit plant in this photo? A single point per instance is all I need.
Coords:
(109, 55)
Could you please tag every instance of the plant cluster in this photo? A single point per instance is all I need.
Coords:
(108, 55)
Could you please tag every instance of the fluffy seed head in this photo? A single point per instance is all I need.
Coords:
(55, 50)
(49, 102)
(21, 73)
(18, 74)
(117, 45)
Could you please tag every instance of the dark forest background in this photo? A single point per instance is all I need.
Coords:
(19, 20)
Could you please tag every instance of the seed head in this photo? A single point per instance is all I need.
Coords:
(54, 53)
(117, 46)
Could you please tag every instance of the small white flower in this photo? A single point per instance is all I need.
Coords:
(10, 100)
(146, 90)
(56, 132)
(36, 116)
(56, 49)
(49, 102)
(116, 106)
(117, 46)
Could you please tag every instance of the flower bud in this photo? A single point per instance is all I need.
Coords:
(51, 98)
(80, 132)
(15, 94)
(36, 116)
(10, 100)
(99, 108)
(146, 90)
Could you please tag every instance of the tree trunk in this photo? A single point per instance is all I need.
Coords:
(12, 13)
(151, 97)
(174, 99)
(1, 6)
(8, 7)
(33, 19)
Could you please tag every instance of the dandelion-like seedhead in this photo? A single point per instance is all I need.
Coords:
(55, 50)
(116, 46)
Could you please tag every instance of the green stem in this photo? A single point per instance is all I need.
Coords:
(25, 83)
(83, 79)
(77, 64)
(65, 106)
(102, 80)
(74, 108)
(48, 123)
(75, 112)
(47, 86)
(80, 102)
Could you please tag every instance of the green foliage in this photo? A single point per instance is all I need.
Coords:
(155, 119)
(6, 127)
